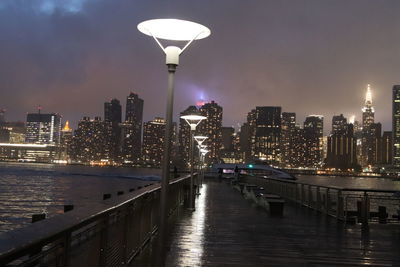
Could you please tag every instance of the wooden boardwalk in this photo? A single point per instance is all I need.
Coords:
(227, 230)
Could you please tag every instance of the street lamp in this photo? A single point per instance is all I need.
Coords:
(193, 120)
(200, 139)
(174, 30)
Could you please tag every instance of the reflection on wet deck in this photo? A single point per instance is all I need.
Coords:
(227, 230)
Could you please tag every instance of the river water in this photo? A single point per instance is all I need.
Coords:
(27, 189)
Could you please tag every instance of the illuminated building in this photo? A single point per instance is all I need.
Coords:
(212, 128)
(43, 128)
(227, 138)
(244, 153)
(113, 115)
(13, 132)
(227, 152)
(132, 129)
(66, 141)
(4, 135)
(153, 142)
(313, 133)
(184, 136)
(386, 147)
(44, 153)
(339, 124)
(299, 149)
(396, 125)
(287, 132)
(265, 123)
(342, 145)
(368, 142)
(91, 141)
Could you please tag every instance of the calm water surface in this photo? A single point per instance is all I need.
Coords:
(26, 189)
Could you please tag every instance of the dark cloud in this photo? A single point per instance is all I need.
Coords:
(308, 56)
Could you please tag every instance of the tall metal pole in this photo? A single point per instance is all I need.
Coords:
(191, 199)
(162, 226)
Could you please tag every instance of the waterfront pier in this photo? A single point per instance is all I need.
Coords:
(228, 230)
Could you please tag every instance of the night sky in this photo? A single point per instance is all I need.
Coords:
(308, 56)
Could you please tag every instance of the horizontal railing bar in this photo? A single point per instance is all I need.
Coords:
(335, 187)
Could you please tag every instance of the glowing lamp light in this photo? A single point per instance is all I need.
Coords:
(174, 29)
(193, 120)
(200, 139)
(250, 166)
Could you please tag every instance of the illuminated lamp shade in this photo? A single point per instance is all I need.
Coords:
(174, 29)
(193, 120)
(200, 139)
(204, 151)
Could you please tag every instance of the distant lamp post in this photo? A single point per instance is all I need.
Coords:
(173, 30)
(200, 139)
(193, 121)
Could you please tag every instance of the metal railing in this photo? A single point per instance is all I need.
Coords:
(347, 204)
(109, 233)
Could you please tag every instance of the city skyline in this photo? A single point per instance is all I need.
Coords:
(299, 56)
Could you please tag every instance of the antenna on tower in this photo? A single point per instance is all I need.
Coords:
(39, 108)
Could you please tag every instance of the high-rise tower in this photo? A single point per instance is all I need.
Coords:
(396, 125)
(113, 116)
(212, 128)
(370, 132)
(132, 129)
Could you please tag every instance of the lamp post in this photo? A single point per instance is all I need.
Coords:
(200, 139)
(193, 121)
(173, 30)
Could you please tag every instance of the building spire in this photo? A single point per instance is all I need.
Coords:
(368, 96)
(66, 127)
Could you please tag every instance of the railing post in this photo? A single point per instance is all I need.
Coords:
(302, 194)
(67, 245)
(328, 201)
(365, 209)
(310, 196)
(318, 204)
(103, 241)
(339, 205)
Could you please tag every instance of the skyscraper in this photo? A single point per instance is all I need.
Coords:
(368, 142)
(342, 146)
(113, 116)
(287, 132)
(227, 152)
(244, 143)
(267, 133)
(396, 125)
(313, 133)
(153, 142)
(66, 141)
(387, 146)
(91, 142)
(339, 124)
(132, 129)
(43, 128)
(184, 136)
(212, 128)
